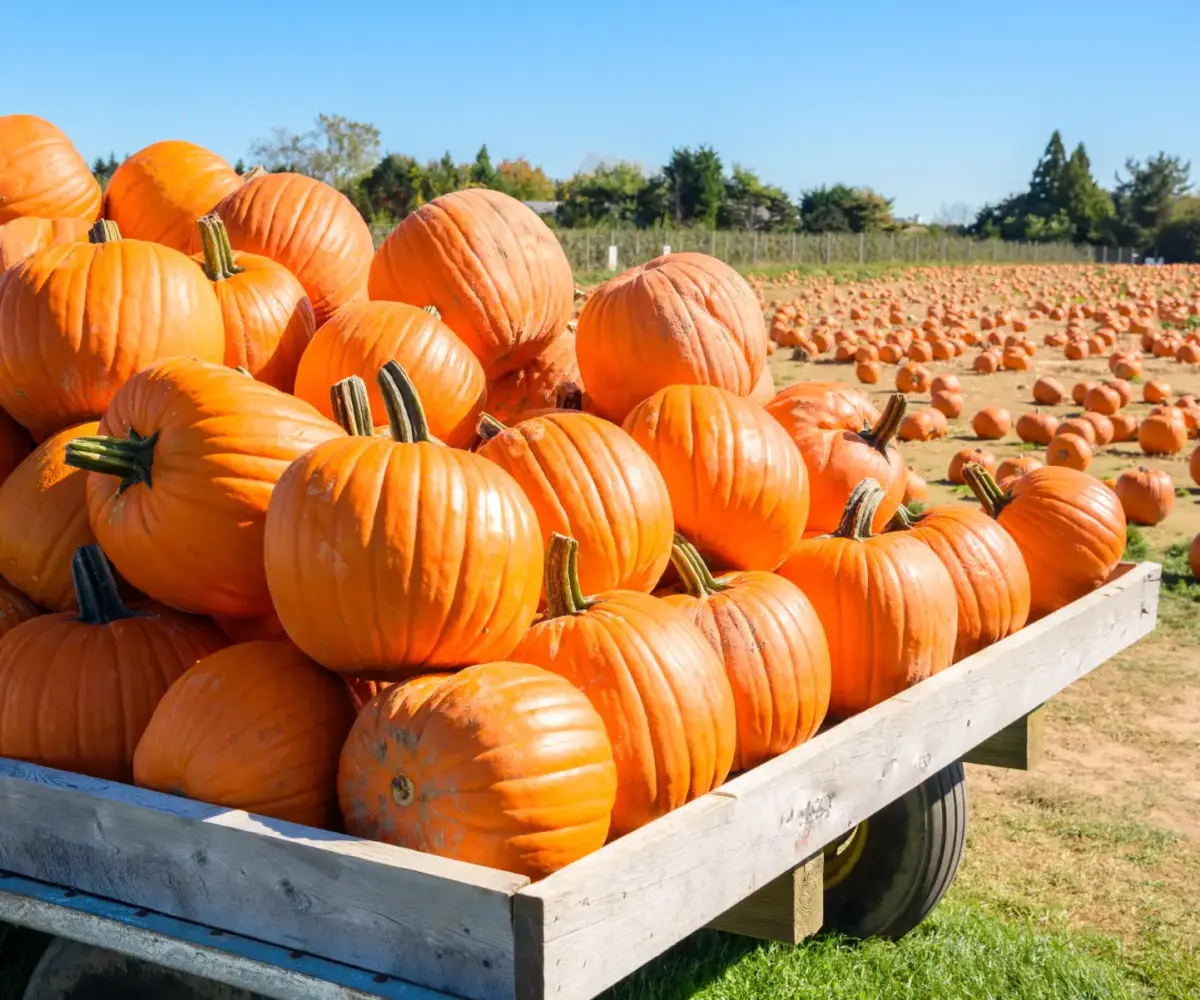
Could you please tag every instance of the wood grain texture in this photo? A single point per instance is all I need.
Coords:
(585, 927)
(787, 909)
(431, 921)
(1019, 746)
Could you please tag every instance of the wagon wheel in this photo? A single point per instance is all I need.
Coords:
(887, 874)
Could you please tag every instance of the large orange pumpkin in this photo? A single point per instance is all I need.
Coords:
(41, 173)
(1147, 495)
(830, 405)
(772, 646)
(651, 674)
(77, 689)
(25, 236)
(179, 478)
(738, 485)
(77, 320)
(15, 608)
(502, 764)
(535, 385)
(439, 553)
(257, 726)
(687, 319)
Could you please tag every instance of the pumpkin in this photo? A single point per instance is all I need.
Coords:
(501, 764)
(772, 646)
(1037, 428)
(826, 404)
(1193, 466)
(918, 426)
(1069, 527)
(986, 363)
(159, 192)
(439, 551)
(535, 385)
(688, 318)
(15, 608)
(179, 477)
(946, 383)
(1080, 390)
(310, 228)
(1102, 399)
(992, 423)
(1102, 426)
(653, 677)
(25, 236)
(15, 445)
(42, 174)
(1147, 495)
(1125, 427)
(78, 688)
(1048, 391)
(1070, 450)
(867, 372)
(1162, 434)
(887, 603)
(915, 488)
(1012, 468)
(990, 580)
(725, 461)
(363, 336)
(949, 404)
(965, 456)
(1193, 557)
(267, 318)
(588, 479)
(1122, 388)
(76, 322)
(1078, 427)
(43, 520)
(1156, 392)
(912, 378)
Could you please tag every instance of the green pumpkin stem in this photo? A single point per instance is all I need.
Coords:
(692, 569)
(568, 396)
(218, 253)
(406, 416)
(488, 427)
(351, 407)
(564, 596)
(987, 491)
(255, 172)
(130, 459)
(104, 231)
(880, 436)
(96, 588)
(860, 511)
(902, 520)
(433, 311)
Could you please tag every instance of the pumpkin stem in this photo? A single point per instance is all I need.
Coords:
(564, 596)
(987, 491)
(104, 231)
(488, 427)
(406, 416)
(860, 511)
(568, 396)
(255, 172)
(131, 459)
(242, 370)
(880, 436)
(96, 589)
(692, 569)
(433, 311)
(901, 520)
(218, 253)
(351, 407)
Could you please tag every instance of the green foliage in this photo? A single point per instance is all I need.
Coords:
(1146, 200)
(338, 151)
(522, 180)
(843, 209)
(1179, 239)
(482, 174)
(751, 204)
(608, 195)
(1137, 549)
(104, 169)
(695, 186)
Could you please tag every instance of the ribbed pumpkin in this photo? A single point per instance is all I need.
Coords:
(738, 485)
(1147, 495)
(535, 385)
(180, 475)
(439, 553)
(492, 268)
(308, 227)
(42, 173)
(988, 571)
(588, 479)
(257, 726)
(886, 601)
(656, 682)
(268, 319)
(688, 319)
(159, 192)
(1069, 527)
(43, 520)
(502, 764)
(77, 690)
(77, 320)
(25, 236)
(772, 646)
(829, 405)
(15, 608)
(364, 336)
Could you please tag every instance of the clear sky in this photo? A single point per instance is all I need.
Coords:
(931, 101)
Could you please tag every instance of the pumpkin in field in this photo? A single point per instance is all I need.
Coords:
(946, 383)
(159, 192)
(15, 608)
(867, 372)
(1102, 426)
(825, 404)
(364, 336)
(1102, 399)
(915, 488)
(25, 236)
(887, 603)
(535, 385)
(1069, 527)
(1078, 427)
(179, 477)
(1194, 465)
(949, 404)
(501, 764)
(1147, 495)
(1125, 427)
(1013, 468)
(1156, 392)
(688, 318)
(1037, 428)
(115, 663)
(492, 268)
(308, 227)
(1193, 557)
(653, 677)
(725, 462)
(588, 479)
(42, 174)
(267, 317)
(439, 551)
(43, 520)
(964, 457)
(1069, 450)
(1048, 391)
(1080, 390)
(912, 378)
(209, 738)
(76, 322)
(1162, 433)
(1121, 387)
(918, 426)
(992, 423)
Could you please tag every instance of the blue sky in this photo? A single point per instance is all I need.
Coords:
(931, 102)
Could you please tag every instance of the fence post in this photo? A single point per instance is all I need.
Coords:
(862, 247)
(828, 247)
(680, 241)
(712, 243)
(587, 249)
(727, 246)
(943, 247)
(754, 250)
(892, 251)
(792, 255)
(917, 249)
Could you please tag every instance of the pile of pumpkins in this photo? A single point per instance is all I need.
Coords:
(375, 541)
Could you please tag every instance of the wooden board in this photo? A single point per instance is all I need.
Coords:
(1019, 746)
(589, 925)
(787, 909)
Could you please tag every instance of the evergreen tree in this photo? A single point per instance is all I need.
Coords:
(1086, 204)
(1045, 189)
(482, 173)
(695, 182)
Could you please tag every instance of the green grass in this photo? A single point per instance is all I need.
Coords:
(1137, 549)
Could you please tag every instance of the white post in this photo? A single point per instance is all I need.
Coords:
(666, 249)
(612, 258)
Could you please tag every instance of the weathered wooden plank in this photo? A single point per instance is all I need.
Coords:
(585, 927)
(1019, 746)
(787, 909)
(431, 921)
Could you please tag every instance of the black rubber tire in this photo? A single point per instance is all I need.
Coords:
(910, 854)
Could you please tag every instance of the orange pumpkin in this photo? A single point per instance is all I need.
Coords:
(964, 457)
(15, 608)
(992, 423)
(1102, 399)
(1048, 391)
(1036, 428)
(42, 174)
(1122, 389)
(1078, 427)
(986, 363)
(1156, 392)
(1162, 433)
(1069, 450)
(1147, 495)
(1193, 557)
(535, 385)
(1125, 427)
(1101, 425)
(915, 488)
(1013, 468)
(912, 378)
(25, 236)
(1080, 390)
(949, 404)
(826, 404)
